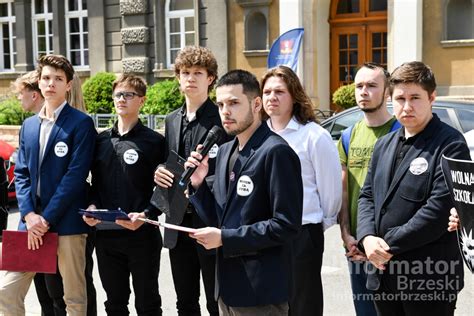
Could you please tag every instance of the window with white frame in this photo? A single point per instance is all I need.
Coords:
(7, 37)
(180, 27)
(42, 18)
(77, 30)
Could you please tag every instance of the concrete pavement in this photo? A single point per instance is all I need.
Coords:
(337, 292)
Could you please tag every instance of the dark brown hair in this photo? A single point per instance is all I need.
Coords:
(302, 105)
(414, 72)
(57, 62)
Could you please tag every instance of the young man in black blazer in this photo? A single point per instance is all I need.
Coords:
(185, 128)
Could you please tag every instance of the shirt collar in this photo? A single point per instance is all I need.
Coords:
(134, 129)
(42, 113)
(293, 124)
(199, 111)
(426, 132)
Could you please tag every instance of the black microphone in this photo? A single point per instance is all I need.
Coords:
(214, 135)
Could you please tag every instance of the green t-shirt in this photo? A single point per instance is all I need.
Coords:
(357, 161)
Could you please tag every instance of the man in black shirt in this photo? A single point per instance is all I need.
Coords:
(126, 156)
(196, 71)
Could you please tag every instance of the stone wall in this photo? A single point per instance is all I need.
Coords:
(10, 134)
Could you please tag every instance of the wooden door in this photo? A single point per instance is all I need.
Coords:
(358, 35)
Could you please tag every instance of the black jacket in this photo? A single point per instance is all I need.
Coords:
(410, 211)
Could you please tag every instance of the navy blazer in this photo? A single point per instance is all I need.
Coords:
(258, 215)
(410, 210)
(64, 170)
(210, 117)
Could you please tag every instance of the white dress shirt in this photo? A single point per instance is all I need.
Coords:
(320, 171)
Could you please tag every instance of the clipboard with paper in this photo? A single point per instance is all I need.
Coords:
(173, 197)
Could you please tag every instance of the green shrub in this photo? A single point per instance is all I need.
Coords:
(344, 96)
(97, 92)
(11, 112)
(163, 97)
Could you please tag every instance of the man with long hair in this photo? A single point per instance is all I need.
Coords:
(290, 114)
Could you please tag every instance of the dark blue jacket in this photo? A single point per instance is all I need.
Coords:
(63, 173)
(259, 215)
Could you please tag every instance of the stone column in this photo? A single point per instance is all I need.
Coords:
(59, 29)
(135, 35)
(97, 47)
(24, 38)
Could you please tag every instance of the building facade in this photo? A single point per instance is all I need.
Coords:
(144, 36)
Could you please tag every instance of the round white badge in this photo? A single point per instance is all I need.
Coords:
(418, 166)
(244, 186)
(213, 151)
(130, 156)
(61, 149)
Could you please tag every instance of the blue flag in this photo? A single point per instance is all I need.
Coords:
(285, 49)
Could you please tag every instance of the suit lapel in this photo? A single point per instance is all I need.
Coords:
(390, 153)
(244, 157)
(174, 131)
(204, 124)
(35, 148)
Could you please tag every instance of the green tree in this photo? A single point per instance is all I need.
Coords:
(11, 112)
(163, 97)
(344, 96)
(97, 91)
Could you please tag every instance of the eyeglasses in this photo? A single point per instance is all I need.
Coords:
(125, 95)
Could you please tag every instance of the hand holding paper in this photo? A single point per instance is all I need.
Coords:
(208, 237)
(169, 226)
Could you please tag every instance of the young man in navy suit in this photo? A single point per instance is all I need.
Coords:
(54, 158)
(254, 209)
(404, 204)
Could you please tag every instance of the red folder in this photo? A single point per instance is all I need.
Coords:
(16, 256)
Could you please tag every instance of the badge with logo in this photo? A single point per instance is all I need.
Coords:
(244, 186)
(130, 156)
(213, 151)
(418, 166)
(61, 149)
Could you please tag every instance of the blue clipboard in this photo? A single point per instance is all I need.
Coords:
(104, 214)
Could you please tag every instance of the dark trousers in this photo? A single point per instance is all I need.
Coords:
(187, 262)
(306, 289)
(398, 307)
(49, 287)
(124, 253)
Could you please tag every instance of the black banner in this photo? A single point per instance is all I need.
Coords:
(459, 176)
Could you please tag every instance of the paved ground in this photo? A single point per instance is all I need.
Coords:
(337, 293)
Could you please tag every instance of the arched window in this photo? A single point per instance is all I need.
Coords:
(255, 26)
(180, 27)
(460, 20)
(256, 33)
